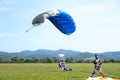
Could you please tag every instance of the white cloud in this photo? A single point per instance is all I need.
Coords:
(6, 35)
(8, 2)
(6, 5)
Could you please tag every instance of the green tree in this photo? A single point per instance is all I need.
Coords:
(35, 60)
(15, 59)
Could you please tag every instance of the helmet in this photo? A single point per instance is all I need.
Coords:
(96, 56)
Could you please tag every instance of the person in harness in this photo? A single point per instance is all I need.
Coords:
(62, 65)
(97, 62)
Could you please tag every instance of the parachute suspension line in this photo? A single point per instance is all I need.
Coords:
(29, 29)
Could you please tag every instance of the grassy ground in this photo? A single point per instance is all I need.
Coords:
(40, 71)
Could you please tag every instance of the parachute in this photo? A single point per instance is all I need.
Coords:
(60, 19)
(61, 55)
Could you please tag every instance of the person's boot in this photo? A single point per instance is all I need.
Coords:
(93, 75)
(102, 75)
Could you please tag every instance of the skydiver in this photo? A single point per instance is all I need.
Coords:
(97, 62)
(62, 65)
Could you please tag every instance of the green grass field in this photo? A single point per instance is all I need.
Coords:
(47, 71)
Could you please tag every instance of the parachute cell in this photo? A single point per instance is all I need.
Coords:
(62, 20)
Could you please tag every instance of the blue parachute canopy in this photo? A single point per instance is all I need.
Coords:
(62, 21)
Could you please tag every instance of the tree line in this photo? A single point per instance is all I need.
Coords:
(16, 59)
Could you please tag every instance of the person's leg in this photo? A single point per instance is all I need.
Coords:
(93, 74)
(66, 69)
(101, 73)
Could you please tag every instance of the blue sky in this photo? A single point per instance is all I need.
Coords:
(97, 21)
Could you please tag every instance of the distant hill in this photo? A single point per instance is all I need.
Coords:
(77, 55)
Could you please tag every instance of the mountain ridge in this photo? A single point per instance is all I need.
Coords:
(77, 55)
